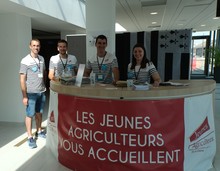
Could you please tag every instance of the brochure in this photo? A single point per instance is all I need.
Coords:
(141, 86)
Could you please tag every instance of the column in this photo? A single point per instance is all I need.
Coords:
(100, 19)
(15, 37)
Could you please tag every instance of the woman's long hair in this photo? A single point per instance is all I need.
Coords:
(144, 60)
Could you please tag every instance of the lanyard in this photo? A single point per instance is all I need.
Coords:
(100, 65)
(137, 73)
(38, 65)
(64, 65)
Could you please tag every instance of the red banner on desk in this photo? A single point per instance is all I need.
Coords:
(116, 135)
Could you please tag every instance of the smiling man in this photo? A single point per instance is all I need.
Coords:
(103, 63)
(32, 81)
(62, 64)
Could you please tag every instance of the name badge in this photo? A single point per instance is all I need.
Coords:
(100, 77)
(40, 75)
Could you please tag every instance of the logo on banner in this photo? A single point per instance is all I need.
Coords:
(52, 123)
(52, 119)
(201, 137)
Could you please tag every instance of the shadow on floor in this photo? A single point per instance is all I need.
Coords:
(14, 130)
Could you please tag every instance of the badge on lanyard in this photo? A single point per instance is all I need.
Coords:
(102, 67)
(100, 77)
(40, 75)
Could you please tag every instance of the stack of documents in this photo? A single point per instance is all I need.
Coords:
(72, 80)
(169, 83)
(141, 87)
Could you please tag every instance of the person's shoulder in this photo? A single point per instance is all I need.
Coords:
(28, 56)
(149, 63)
(71, 56)
(129, 66)
(72, 59)
(92, 58)
(41, 57)
(110, 55)
(26, 59)
(54, 56)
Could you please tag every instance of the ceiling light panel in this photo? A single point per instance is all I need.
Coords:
(147, 10)
(146, 3)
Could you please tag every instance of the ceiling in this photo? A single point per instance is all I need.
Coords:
(43, 25)
(134, 16)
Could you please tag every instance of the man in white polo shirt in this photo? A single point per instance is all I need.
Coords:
(62, 64)
(32, 81)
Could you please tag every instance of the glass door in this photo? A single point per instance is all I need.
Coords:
(199, 57)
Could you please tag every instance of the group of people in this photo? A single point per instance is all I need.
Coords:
(103, 64)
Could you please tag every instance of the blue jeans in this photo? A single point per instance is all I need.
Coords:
(36, 102)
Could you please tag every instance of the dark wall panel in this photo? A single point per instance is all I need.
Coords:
(48, 49)
(77, 47)
(140, 37)
(185, 66)
(154, 46)
(123, 53)
(168, 66)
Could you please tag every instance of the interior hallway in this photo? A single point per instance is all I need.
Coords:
(15, 154)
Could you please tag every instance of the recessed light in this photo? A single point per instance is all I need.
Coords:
(203, 25)
(215, 18)
(154, 13)
(154, 22)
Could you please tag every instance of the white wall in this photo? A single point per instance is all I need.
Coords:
(71, 11)
(15, 36)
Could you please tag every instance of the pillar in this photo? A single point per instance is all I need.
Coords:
(100, 19)
(15, 37)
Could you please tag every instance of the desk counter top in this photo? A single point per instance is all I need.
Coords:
(195, 87)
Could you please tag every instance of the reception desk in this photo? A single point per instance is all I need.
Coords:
(107, 128)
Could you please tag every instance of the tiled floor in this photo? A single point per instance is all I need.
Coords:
(21, 158)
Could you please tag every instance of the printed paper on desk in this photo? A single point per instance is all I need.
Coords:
(79, 75)
(169, 83)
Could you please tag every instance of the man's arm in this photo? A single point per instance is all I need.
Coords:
(23, 88)
(87, 72)
(156, 78)
(116, 74)
(51, 74)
